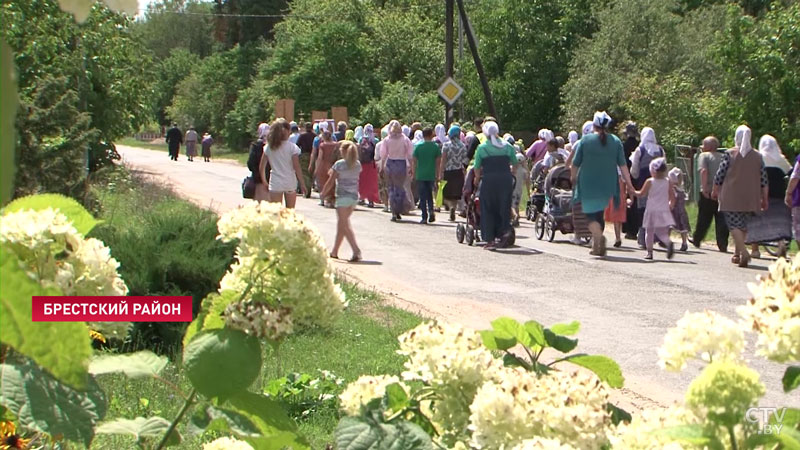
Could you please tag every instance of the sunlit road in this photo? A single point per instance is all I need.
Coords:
(624, 304)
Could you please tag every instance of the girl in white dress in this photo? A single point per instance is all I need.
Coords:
(658, 213)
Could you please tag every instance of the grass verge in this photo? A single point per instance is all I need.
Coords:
(217, 152)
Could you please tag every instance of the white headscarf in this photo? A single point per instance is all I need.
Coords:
(587, 128)
(369, 132)
(649, 142)
(601, 119)
(441, 134)
(263, 129)
(406, 129)
(417, 137)
(675, 176)
(743, 139)
(772, 154)
(323, 127)
(491, 130)
(358, 133)
(573, 137)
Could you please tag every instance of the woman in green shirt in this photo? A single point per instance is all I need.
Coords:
(494, 174)
(595, 179)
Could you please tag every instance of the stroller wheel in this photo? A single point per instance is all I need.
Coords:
(470, 235)
(460, 232)
(539, 226)
(530, 213)
(510, 238)
(550, 229)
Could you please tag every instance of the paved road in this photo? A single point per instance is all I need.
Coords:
(624, 304)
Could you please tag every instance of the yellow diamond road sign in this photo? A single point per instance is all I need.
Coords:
(450, 91)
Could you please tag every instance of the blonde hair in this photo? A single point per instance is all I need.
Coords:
(275, 134)
(349, 153)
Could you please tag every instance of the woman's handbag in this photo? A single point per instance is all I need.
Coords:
(249, 187)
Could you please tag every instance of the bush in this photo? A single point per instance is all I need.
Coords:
(165, 246)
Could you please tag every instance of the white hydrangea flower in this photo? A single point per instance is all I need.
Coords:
(227, 443)
(518, 405)
(774, 311)
(638, 435)
(259, 319)
(364, 390)
(539, 443)
(55, 254)
(705, 335)
(453, 361)
(283, 259)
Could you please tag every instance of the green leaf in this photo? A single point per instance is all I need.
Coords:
(396, 398)
(357, 433)
(789, 438)
(134, 365)
(566, 329)
(496, 340)
(8, 114)
(510, 327)
(44, 404)
(692, 434)
(62, 348)
(209, 351)
(212, 418)
(618, 415)
(560, 343)
(536, 330)
(791, 378)
(141, 428)
(604, 367)
(277, 429)
(216, 307)
(81, 219)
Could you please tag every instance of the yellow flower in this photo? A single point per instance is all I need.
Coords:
(97, 336)
(9, 439)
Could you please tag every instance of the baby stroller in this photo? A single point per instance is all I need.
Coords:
(557, 213)
(470, 231)
(536, 200)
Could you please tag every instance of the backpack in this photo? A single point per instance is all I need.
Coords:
(256, 151)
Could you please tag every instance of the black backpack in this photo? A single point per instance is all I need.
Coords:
(256, 151)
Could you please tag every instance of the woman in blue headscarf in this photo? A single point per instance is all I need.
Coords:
(454, 163)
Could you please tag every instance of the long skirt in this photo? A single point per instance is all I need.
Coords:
(774, 224)
(454, 186)
(495, 197)
(191, 148)
(383, 189)
(410, 188)
(396, 177)
(616, 213)
(368, 183)
(321, 172)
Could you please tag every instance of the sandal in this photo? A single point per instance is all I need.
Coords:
(334, 256)
(744, 260)
(735, 259)
(356, 258)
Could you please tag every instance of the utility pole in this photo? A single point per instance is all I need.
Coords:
(448, 56)
(487, 93)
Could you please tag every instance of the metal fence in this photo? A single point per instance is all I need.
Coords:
(686, 159)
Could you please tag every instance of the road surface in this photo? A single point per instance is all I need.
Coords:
(625, 304)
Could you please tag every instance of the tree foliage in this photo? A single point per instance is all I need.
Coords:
(177, 24)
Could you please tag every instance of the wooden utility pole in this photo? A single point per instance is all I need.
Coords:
(473, 46)
(448, 56)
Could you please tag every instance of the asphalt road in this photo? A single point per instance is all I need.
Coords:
(625, 304)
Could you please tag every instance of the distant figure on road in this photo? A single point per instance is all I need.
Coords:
(454, 163)
(345, 174)
(494, 167)
(174, 140)
(427, 166)
(708, 208)
(284, 162)
(207, 143)
(640, 159)
(774, 224)
(396, 152)
(322, 159)
(341, 134)
(657, 215)
(368, 181)
(191, 143)
(254, 161)
(629, 145)
(295, 130)
(306, 143)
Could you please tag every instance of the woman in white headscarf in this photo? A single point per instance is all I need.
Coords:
(647, 151)
(495, 161)
(383, 187)
(572, 137)
(742, 187)
(774, 224)
(441, 135)
(396, 151)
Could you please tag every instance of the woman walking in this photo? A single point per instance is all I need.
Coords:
(345, 175)
(774, 224)
(657, 216)
(640, 159)
(284, 160)
(191, 143)
(741, 185)
(206, 144)
(495, 164)
(454, 162)
(322, 158)
(368, 180)
(396, 151)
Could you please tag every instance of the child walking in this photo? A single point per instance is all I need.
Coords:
(617, 214)
(679, 214)
(657, 214)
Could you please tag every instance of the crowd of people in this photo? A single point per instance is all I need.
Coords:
(623, 181)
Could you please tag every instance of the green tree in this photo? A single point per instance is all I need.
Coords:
(403, 102)
(177, 24)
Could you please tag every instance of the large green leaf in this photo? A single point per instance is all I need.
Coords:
(141, 428)
(692, 434)
(44, 404)
(496, 340)
(396, 398)
(618, 415)
(566, 329)
(63, 348)
(8, 113)
(560, 343)
(210, 351)
(536, 330)
(134, 365)
(791, 378)
(277, 429)
(358, 433)
(81, 219)
(510, 327)
(212, 418)
(604, 367)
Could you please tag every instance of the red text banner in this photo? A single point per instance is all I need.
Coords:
(112, 309)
